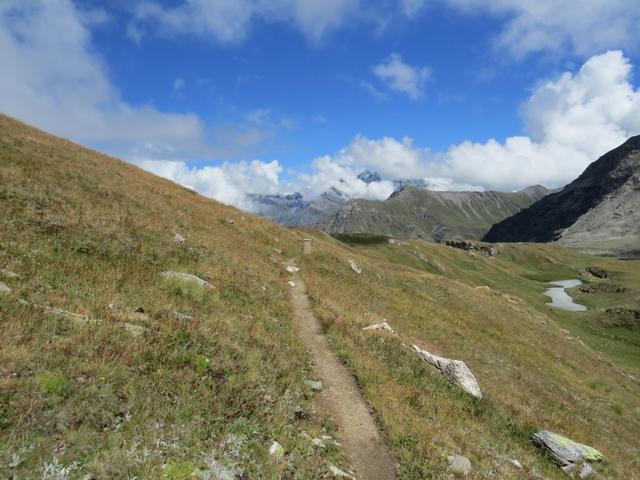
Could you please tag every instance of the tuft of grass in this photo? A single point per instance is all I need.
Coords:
(53, 383)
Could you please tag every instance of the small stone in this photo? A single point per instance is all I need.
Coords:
(229, 221)
(586, 471)
(276, 451)
(315, 385)
(183, 317)
(317, 442)
(380, 326)
(9, 274)
(178, 238)
(337, 473)
(187, 277)
(459, 464)
(516, 463)
(292, 269)
(292, 285)
(354, 266)
(4, 289)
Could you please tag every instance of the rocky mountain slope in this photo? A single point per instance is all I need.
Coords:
(294, 210)
(417, 213)
(599, 212)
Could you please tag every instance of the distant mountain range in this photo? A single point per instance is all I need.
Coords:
(413, 212)
(599, 212)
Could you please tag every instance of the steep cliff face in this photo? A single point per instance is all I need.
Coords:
(598, 212)
(416, 213)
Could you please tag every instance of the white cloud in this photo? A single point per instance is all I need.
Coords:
(402, 77)
(228, 183)
(52, 79)
(584, 27)
(412, 7)
(571, 121)
(178, 83)
(229, 21)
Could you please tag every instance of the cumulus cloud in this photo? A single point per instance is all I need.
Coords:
(229, 21)
(570, 121)
(401, 77)
(51, 79)
(228, 183)
(579, 26)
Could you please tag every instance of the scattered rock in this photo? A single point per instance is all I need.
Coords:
(315, 385)
(4, 289)
(186, 277)
(9, 274)
(228, 221)
(459, 465)
(469, 246)
(337, 473)
(292, 269)
(565, 452)
(380, 326)
(354, 266)
(276, 451)
(183, 317)
(516, 463)
(455, 370)
(393, 241)
(602, 288)
(178, 238)
(598, 272)
(292, 285)
(628, 314)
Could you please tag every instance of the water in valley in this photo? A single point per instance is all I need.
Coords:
(561, 299)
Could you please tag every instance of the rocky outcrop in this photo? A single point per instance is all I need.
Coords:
(459, 465)
(469, 246)
(597, 213)
(381, 326)
(571, 456)
(598, 272)
(455, 370)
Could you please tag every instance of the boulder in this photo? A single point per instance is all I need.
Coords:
(597, 272)
(459, 465)
(455, 370)
(186, 277)
(565, 452)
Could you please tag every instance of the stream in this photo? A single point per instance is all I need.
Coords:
(561, 299)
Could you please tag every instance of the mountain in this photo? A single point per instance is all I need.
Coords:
(294, 210)
(413, 212)
(150, 332)
(599, 212)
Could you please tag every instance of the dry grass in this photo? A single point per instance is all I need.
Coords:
(83, 231)
(534, 375)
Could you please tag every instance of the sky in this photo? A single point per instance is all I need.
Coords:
(232, 97)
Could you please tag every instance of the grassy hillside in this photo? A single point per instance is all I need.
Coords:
(538, 367)
(428, 215)
(204, 398)
(84, 231)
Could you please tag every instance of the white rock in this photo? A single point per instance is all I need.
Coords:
(292, 285)
(292, 269)
(455, 370)
(516, 463)
(276, 450)
(183, 317)
(459, 464)
(337, 473)
(178, 238)
(4, 289)
(354, 266)
(315, 385)
(9, 274)
(380, 326)
(187, 277)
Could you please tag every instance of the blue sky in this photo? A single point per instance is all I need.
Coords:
(239, 96)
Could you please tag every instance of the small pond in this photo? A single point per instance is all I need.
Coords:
(561, 299)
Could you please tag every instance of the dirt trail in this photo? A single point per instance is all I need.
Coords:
(340, 397)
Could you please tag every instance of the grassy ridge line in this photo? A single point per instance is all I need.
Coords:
(209, 395)
(532, 374)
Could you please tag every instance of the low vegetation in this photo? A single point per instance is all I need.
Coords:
(211, 377)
